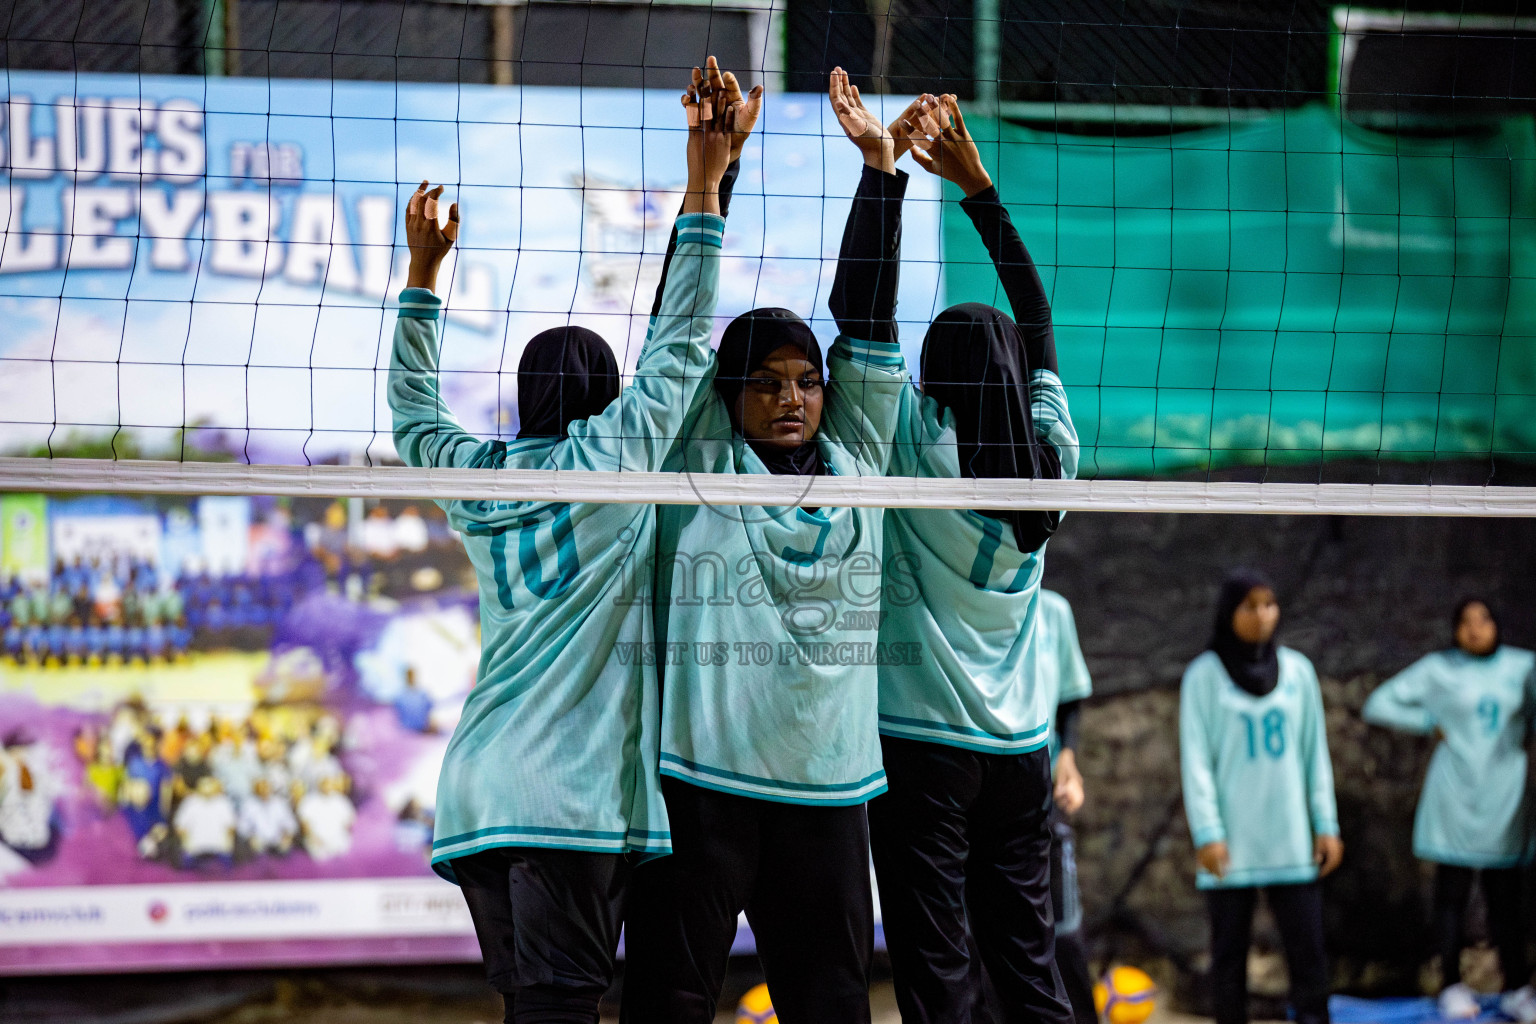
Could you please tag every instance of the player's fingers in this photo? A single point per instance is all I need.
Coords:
(953, 104)
(435, 193)
(451, 232)
(924, 160)
(939, 112)
(732, 86)
(716, 79)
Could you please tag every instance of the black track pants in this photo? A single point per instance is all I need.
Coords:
(1298, 913)
(962, 851)
(548, 923)
(802, 876)
(1502, 891)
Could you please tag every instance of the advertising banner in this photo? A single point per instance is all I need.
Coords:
(23, 535)
(220, 750)
(220, 744)
(225, 254)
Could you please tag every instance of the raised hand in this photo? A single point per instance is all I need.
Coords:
(924, 118)
(725, 90)
(952, 154)
(711, 132)
(860, 124)
(428, 241)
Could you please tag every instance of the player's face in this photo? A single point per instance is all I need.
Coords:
(1477, 633)
(1255, 619)
(780, 402)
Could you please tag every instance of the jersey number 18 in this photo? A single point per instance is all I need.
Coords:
(1267, 733)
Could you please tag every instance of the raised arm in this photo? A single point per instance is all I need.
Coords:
(645, 424)
(426, 432)
(954, 156)
(725, 90)
(863, 298)
(869, 376)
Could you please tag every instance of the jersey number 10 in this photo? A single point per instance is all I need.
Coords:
(532, 560)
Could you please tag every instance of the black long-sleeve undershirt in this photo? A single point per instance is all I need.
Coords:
(1067, 717)
(1021, 281)
(863, 298)
(727, 183)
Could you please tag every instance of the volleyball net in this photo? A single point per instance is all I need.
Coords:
(1291, 256)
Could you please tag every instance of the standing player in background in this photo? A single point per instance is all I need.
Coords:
(1474, 816)
(1064, 678)
(550, 777)
(961, 842)
(1064, 674)
(767, 764)
(1258, 791)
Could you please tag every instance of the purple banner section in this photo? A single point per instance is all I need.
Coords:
(221, 721)
(192, 956)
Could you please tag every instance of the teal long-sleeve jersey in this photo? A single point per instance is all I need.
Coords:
(1256, 771)
(1473, 810)
(959, 588)
(770, 615)
(1063, 669)
(557, 744)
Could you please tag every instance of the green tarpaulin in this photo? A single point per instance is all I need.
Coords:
(1281, 291)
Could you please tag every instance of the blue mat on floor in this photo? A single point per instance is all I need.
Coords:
(1352, 1010)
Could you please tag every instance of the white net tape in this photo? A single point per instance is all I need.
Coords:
(150, 477)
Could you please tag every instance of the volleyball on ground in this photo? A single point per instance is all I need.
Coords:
(756, 1008)
(1125, 995)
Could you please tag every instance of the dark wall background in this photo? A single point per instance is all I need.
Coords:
(1363, 597)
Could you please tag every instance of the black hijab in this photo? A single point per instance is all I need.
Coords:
(1253, 667)
(974, 364)
(749, 340)
(566, 373)
(1461, 609)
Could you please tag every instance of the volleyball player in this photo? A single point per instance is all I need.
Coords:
(1258, 791)
(961, 841)
(1064, 674)
(550, 777)
(769, 744)
(1474, 814)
